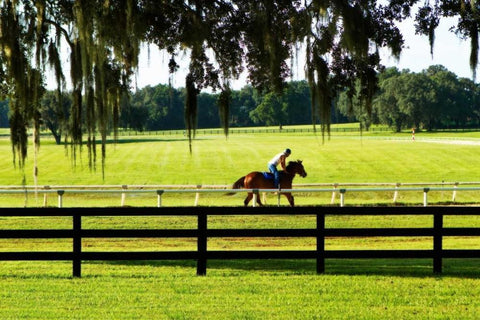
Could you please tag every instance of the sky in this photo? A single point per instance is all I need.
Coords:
(448, 50)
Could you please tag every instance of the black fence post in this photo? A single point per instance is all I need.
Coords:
(437, 242)
(320, 243)
(202, 244)
(77, 245)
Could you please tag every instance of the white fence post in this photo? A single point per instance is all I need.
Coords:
(159, 198)
(342, 197)
(60, 198)
(454, 195)
(45, 197)
(395, 194)
(334, 193)
(124, 187)
(425, 197)
(197, 195)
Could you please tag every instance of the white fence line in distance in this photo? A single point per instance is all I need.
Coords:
(160, 190)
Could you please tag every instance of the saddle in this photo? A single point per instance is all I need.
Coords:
(268, 175)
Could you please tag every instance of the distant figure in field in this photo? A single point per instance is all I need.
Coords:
(278, 159)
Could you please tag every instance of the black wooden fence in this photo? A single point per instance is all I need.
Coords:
(202, 233)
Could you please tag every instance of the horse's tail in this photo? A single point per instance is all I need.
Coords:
(237, 185)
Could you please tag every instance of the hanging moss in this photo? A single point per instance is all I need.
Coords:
(15, 56)
(224, 100)
(474, 48)
(18, 134)
(310, 74)
(318, 79)
(190, 108)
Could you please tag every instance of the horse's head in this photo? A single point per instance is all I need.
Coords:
(296, 167)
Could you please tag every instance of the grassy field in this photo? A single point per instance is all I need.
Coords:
(243, 289)
(216, 160)
(235, 291)
(350, 289)
(219, 160)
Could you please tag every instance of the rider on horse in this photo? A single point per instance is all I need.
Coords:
(272, 165)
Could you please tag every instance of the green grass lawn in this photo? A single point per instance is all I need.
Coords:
(245, 289)
(216, 160)
(239, 289)
(233, 291)
(219, 160)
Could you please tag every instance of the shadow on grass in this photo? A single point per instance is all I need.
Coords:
(411, 268)
(133, 140)
(459, 268)
(153, 139)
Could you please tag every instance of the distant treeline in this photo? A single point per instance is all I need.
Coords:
(433, 99)
(162, 108)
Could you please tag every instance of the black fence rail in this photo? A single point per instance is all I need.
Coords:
(202, 233)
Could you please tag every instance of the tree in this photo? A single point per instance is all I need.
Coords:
(243, 102)
(270, 112)
(54, 110)
(406, 100)
(296, 97)
(353, 108)
(386, 104)
(155, 108)
(208, 112)
(134, 113)
(417, 100)
(450, 107)
(470, 98)
(434, 98)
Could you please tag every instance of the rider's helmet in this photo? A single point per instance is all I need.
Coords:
(287, 151)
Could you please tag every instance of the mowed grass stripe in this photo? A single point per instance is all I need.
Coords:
(219, 160)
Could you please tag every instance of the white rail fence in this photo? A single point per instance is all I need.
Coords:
(160, 190)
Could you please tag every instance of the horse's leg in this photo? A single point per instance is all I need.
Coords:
(248, 198)
(258, 200)
(290, 199)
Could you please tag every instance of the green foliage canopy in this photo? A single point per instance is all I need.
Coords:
(432, 99)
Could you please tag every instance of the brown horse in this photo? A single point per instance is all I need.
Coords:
(256, 180)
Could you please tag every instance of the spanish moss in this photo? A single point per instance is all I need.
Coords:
(223, 108)
(190, 108)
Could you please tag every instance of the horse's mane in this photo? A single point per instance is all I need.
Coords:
(293, 163)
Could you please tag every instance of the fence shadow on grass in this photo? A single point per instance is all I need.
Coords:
(411, 268)
(457, 268)
(133, 140)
